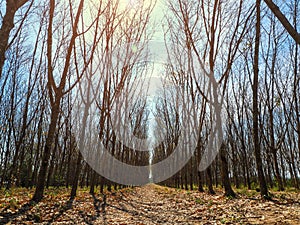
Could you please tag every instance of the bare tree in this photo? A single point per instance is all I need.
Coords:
(204, 21)
(257, 151)
(56, 92)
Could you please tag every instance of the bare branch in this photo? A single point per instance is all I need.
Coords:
(283, 20)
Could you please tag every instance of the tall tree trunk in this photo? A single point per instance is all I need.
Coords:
(81, 146)
(261, 176)
(200, 183)
(223, 153)
(225, 173)
(209, 181)
(39, 191)
(93, 182)
(274, 153)
(296, 77)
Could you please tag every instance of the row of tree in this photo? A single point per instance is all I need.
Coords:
(69, 68)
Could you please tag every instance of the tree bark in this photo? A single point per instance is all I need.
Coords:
(12, 7)
(200, 183)
(261, 176)
(209, 181)
(39, 191)
(81, 146)
(225, 173)
(283, 20)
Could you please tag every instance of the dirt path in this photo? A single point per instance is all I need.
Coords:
(153, 204)
(149, 205)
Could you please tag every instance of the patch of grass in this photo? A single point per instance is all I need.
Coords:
(178, 190)
(246, 192)
(85, 189)
(210, 203)
(7, 194)
(223, 220)
(292, 189)
(13, 203)
(126, 190)
(230, 197)
(231, 220)
(199, 201)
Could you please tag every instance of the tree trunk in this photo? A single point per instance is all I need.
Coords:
(209, 181)
(76, 176)
(284, 21)
(261, 176)
(93, 181)
(39, 191)
(200, 183)
(225, 173)
(274, 153)
(81, 146)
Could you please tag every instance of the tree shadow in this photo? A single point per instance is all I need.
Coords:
(134, 211)
(68, 205)
(99, 207)
(286, 202)
(9, 216)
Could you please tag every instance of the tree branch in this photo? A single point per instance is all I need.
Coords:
(283, 20)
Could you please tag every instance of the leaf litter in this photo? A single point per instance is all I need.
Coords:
(148, 205)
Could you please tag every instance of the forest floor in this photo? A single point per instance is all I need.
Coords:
(150, 204)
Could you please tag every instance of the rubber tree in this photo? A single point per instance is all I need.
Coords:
(257, 151)
(206, 26)
(56, 92)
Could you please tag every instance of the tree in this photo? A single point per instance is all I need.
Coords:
(56, 92)
(87, 95)
(263, 185)
(208, 26)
